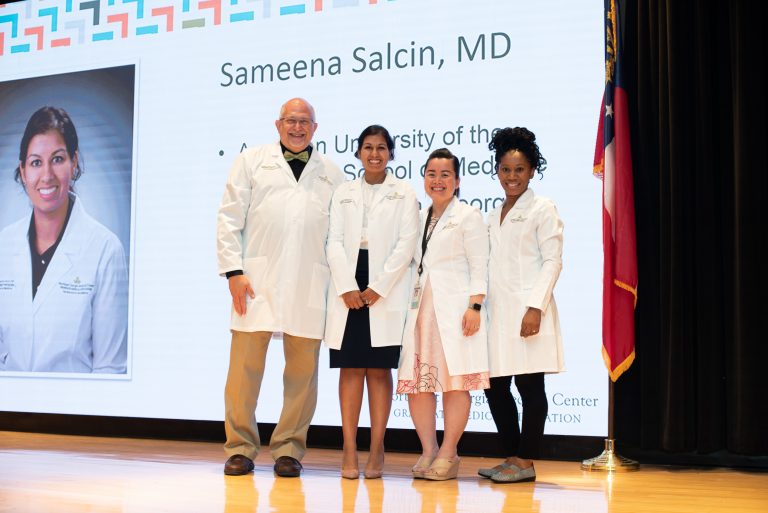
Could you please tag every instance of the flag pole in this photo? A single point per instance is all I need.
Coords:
(613, 165)
(609, 460)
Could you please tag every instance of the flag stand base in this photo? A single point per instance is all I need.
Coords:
(610, 461)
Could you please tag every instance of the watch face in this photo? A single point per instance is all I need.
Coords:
(476, 306)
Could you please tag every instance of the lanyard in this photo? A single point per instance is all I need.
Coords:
(425, 239)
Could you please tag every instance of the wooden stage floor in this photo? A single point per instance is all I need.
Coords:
(53, 473)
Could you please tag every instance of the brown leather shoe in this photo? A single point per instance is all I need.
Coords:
(285, 466)
(238, 465)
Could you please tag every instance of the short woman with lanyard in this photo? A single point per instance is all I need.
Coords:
(444, 344)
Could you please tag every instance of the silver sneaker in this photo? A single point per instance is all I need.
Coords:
(488, 472)
(519, 476)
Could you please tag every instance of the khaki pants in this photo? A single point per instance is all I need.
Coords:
(246, 370)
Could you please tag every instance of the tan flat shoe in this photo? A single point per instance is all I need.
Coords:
(422, 465)
(371, 472)
(350, 473)
(443, 469)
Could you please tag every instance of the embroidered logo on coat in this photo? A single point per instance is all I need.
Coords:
(76, 287)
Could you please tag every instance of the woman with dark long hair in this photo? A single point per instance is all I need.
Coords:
(63, 276)
(371, 239)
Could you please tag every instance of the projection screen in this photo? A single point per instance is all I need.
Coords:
(166, 93)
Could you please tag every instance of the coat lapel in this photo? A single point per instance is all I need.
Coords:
(437, 234)
(522, 203)
(22, 262)
(277, 156)
(494, 223)
(313, 167)
(22, 269)
(387, 188)
(356, 194)
(447, 217)
(64, 257)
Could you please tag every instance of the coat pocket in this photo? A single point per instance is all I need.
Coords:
(255, 269)
(318, 287)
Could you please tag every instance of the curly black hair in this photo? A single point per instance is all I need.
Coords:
(520, 139)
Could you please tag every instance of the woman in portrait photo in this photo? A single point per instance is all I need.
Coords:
(63, 275)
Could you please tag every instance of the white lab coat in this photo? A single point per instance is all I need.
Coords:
(456, 265)
(393, 226)
(78, 320)
(274, 229)
(526, 259)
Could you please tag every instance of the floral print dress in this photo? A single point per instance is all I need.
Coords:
(430, 367)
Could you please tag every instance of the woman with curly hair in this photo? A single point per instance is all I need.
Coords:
(445, 344)
(524, 338)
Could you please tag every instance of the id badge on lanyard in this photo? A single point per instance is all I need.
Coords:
(416, 296)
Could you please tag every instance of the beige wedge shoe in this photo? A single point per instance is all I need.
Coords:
(443, 469)
(422, 465)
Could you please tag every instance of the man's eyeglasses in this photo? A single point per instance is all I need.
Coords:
(303, 123)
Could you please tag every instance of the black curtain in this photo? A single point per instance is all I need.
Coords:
(699, 384)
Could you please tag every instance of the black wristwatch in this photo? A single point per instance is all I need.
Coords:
(475, 306)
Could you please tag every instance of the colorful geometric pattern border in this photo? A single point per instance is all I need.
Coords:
(40, 25)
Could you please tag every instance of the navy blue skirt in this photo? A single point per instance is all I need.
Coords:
(356, 351)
